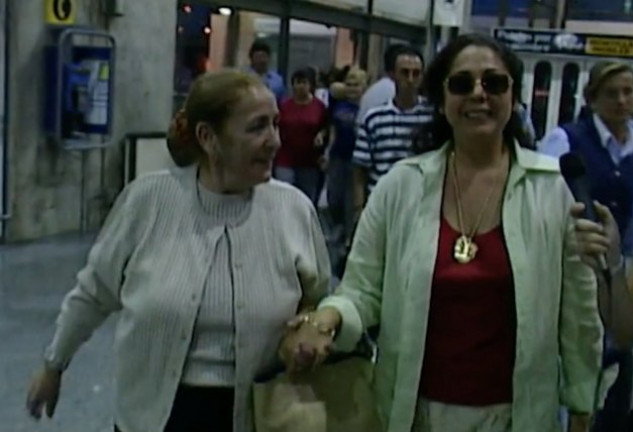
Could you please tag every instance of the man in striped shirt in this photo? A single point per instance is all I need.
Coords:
(385, 134)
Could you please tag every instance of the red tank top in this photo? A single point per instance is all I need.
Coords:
(471, 334)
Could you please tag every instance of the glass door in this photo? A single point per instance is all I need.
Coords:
(569, 95)
(541, 96)
(211, 36)
(318, 46)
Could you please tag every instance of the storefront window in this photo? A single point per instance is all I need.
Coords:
(569, 93)
(540, 97)
(406, 11)
(192, 45)
(211, 37)
(215, 34)
(246, 29)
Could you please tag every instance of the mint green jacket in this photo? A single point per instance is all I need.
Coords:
(390, 270)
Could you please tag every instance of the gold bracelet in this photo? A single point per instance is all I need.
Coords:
(321, 328)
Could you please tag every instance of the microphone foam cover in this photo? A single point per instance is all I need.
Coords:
(572, 165)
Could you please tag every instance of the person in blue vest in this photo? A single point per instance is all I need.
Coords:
(603, 137)
(259, 56)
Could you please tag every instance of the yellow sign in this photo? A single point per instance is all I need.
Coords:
(61, 12)
(609, 47)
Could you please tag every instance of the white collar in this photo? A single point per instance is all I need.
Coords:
(606, 135)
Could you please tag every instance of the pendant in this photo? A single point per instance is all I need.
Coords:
(464, 250)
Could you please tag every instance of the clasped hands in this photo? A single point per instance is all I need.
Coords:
(307, 343)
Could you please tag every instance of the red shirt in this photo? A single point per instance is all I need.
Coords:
(298, 127)
(471, 335)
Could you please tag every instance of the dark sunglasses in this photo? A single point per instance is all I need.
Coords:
(492, 83)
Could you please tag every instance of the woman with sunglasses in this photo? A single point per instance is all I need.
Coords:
(464, 257)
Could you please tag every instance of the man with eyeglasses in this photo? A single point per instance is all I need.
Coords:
(385, 133)
(603, 136)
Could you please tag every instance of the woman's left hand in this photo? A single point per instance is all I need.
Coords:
(319, 140)
(595, 239)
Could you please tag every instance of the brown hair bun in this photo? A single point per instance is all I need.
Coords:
(211, 100)
(181, 143)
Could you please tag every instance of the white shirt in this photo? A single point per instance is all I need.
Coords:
(379, 93)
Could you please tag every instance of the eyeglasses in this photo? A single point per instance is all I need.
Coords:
(492, 83)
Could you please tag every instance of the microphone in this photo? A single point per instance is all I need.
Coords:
(573, 169)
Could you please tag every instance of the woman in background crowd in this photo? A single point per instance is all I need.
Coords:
(602, 135)
(302, 127)
(339, 173)
(204, 264)
(465, 257)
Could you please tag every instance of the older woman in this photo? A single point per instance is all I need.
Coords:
(205, 265)
(464, 257)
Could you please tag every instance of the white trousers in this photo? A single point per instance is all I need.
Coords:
(439, 417)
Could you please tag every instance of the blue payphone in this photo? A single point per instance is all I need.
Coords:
(79, 83)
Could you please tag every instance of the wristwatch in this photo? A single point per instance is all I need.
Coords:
(53, 364)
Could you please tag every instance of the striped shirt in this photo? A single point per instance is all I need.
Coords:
(386, 136)
(204, 285)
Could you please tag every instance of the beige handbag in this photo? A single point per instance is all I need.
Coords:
(335, 397)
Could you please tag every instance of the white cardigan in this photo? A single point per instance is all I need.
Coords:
(151, 261)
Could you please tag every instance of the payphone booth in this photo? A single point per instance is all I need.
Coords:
(79, 96)
(79, 88)
(557, 66)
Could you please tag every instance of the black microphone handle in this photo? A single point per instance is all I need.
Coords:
(580, 190)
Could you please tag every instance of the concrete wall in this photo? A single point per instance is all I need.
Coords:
(45, 182)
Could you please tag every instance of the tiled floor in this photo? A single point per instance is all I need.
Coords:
(33, 280)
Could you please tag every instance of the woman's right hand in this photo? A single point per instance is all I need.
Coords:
(595, 239)
(308, 341)
(44, 393)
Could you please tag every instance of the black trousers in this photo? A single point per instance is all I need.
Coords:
(200, 409)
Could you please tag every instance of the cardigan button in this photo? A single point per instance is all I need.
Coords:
(616, 173)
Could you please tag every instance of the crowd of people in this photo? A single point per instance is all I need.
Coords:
(462, 250)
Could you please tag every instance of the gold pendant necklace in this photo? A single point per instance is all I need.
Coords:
(465, 249)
